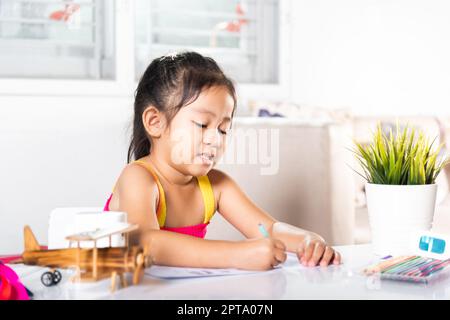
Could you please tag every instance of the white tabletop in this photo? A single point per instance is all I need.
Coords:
(291, 281)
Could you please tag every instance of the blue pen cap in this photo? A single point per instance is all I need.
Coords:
(263, 230)
(432, 244)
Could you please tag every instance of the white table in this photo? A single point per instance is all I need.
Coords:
(294, 282)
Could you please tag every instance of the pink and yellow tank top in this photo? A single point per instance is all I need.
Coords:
(198, 230)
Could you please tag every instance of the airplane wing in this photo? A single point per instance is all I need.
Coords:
(97, 234)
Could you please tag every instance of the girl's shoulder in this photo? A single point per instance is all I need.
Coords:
(219, 179)
(135, 177)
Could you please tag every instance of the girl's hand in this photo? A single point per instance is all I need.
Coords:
(313, 251)
(260, 254)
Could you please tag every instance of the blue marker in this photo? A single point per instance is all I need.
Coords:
(263, 230)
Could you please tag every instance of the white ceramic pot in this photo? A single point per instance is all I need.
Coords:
(396, 212)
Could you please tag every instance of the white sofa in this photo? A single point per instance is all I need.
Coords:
(313, 187)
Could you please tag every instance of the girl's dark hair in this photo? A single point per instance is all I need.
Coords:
(169, 83)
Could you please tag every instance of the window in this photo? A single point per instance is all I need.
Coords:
(56, 39)
(242, 36)
(101, 47)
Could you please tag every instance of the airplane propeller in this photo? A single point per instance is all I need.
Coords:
(142, 261)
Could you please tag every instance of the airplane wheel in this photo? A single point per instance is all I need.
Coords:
(47, 279)
(56, 277)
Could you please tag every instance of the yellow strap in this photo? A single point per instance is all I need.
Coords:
(208, 197)
(161, 210)
(205, 188)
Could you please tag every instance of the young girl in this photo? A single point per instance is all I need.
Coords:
(183, 110)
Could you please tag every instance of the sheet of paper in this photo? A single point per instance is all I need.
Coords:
(175, 272)
(179, 273)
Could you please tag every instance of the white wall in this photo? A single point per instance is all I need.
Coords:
(375, 56)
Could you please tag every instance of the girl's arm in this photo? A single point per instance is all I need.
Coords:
(138, 197)
(236, 207)
(176, 249)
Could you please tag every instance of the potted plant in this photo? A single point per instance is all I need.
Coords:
(400, 171)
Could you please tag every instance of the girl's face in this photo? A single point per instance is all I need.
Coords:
(197, 134)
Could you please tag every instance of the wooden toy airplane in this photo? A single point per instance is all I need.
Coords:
(92, 264)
